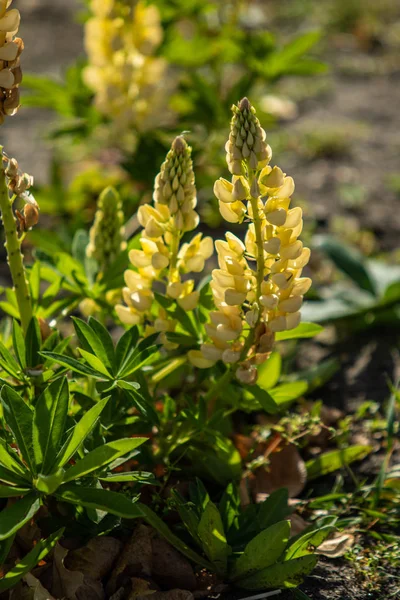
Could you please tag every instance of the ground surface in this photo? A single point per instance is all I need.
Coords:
(362, 105)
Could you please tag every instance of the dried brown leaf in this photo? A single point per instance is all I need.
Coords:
(96, 559)
(337, 545)
(285, 470)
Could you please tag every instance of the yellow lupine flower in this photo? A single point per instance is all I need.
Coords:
(131, 84)
(161, 258)
(258, 286)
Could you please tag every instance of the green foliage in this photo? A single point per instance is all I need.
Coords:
(40, 446)
(369, 301)
(250, 548)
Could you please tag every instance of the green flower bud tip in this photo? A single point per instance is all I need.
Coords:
(106, 234)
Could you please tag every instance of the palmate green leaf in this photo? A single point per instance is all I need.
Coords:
(29, 561)
(49, 423)
(93, 344)
(10, 462)
(212, 535)
(7, 491)
(80, 432)
(9, 309)
(95, 363)
(281, 575)
(101, 456)
(71, 363)
(15, 516)
(138, 360)
(263, 551)
(348, 260)
(19, 418)
(19, 344)
(304, 330)
(334, 460)
(142, 405)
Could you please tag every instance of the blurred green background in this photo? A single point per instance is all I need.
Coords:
(324, 78)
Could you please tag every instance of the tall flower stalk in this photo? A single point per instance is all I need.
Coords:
(257, 289)
(13, 185)
(163, 259)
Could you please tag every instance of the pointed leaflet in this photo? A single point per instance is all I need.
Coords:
(49, 422)
(29, 561)
(96, 364)
(33, 342)
(102, 456)
(105, 338)
(73, 364)
(81, 430)
(9, 462)
(287, 574)
(91, 342)
(263, 551)
(9, 477)
(304, 330)
(211, 532)
(8, 362)
(125, 346)
(275, 508)
(19, 417)
(19, 344)
(99, 499)
(16, 515)
(7, 491)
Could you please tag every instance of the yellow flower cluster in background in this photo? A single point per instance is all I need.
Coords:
(258, 289)
(132, 86)
(10, 51)
(162, 259)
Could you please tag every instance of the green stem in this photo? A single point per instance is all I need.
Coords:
(173, 253)
(260, 262)
(15, 257)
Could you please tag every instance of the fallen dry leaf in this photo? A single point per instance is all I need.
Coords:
(170, 569)
(286, 470)
(136, 556)
(337, 545)
(39, 592)
(96, 559)
(72, 585)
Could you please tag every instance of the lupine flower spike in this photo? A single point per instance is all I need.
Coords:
(107, 232)
(258, 289)
(11, 48)
(162, 258)
(131, 84)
